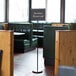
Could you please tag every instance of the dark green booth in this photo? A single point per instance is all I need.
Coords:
(24, 42)
(49, 43)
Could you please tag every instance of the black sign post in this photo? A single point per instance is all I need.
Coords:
(37, 15)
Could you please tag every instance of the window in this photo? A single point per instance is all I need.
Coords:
(39, 4)
(70, 11)
(2, 10)
(18, 10)
(53, 11)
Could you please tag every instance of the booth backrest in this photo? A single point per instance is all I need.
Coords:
(1, 27)
(58, 24)
(49, 39)
(22, 27)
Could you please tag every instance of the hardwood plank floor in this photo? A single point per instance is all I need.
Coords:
(25, 63)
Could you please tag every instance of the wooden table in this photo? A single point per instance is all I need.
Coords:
(18, 33)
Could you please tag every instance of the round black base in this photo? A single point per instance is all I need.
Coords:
(38, 72)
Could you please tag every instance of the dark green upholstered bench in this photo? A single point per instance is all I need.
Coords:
(38, 32)
(72, 26)
(21, 44)
(49, 43)
(34, 42)
(25, 42)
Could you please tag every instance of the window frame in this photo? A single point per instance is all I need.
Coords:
(62, 11)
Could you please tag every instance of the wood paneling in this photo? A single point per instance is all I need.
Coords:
(6, 44)
(56, 54)
(57, 24)
(65, 50)
(56, 67)
(5, 26)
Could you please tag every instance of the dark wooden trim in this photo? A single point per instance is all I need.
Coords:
(6, 10)
(62, 11)
(30, 10)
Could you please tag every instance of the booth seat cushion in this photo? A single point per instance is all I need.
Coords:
(34, 42)
(21, 44)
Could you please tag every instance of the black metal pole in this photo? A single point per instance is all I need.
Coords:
(37, 57)
(30, 10)
(37, 72)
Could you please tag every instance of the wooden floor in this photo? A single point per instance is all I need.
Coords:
(25, 63)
